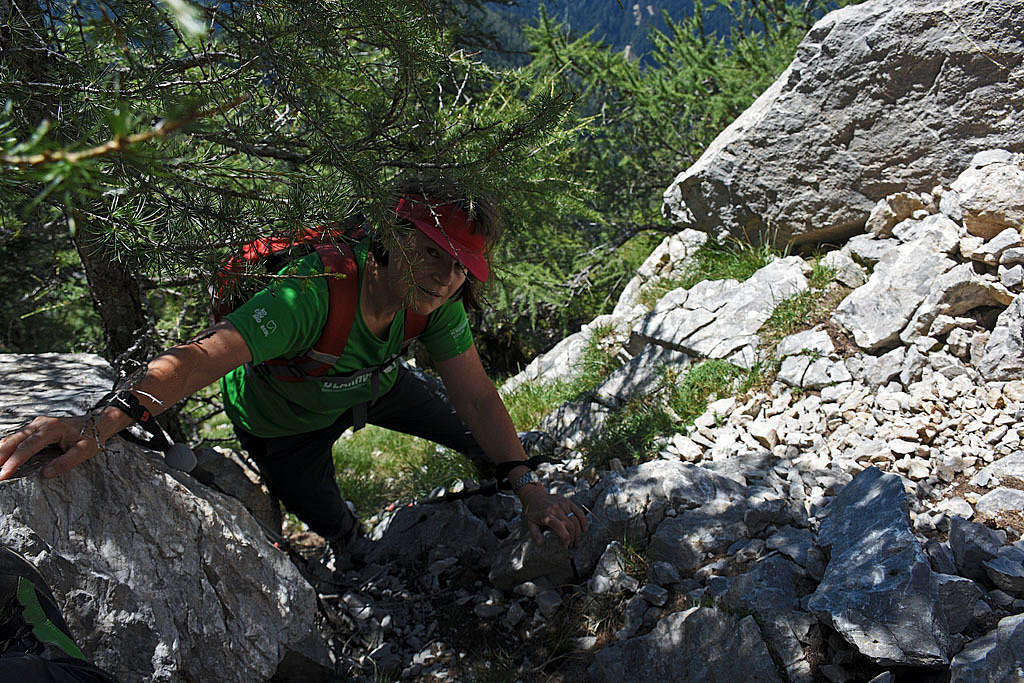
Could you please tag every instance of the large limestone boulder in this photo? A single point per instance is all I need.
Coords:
(160, 578)
(882, 97)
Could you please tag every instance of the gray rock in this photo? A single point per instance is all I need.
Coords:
(936, 229)
(653, 594)
(1000, 500)
(816, 341)
(1013, 256)
(411, 534)
(973, 544)
(630, 507)
(771, 592)
(876, 313)
(610, 571)
(561, 362)
(640, 376)
(1011, 465)
(891, 210)
(570, 424)
(869, 249)
(721, 319)
(879, 592)
(668, 259)
(952, 294)
(879, 371)
(1012, 278)
(847, 271)
(798, 545)
(699, 644)
(991, 194)
(913, 363)
(148, 582)
(1003, 358)
(996, 657)
(520, 558)
(664, 574)
(226, 471)
(957, 597)
(882, 97)
(991, 252)
(684, 541)
(1007, 574)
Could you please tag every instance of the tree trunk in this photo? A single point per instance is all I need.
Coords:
(117, 298)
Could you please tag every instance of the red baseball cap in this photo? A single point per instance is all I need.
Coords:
(450, 227)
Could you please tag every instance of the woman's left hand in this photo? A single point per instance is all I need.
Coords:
(558, 513)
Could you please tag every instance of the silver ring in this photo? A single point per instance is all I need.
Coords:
(571, 514)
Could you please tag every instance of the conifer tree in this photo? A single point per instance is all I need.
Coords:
(161, 135)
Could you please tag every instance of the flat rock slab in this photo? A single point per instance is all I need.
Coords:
(641, 375)
(879, 591)
(699, 644)
(996, 657)
(720, 319)
(881, 97)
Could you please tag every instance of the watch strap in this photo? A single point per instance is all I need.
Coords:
(525, 480)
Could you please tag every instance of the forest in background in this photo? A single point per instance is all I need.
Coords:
(140, 143)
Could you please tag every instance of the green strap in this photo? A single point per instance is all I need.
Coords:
(43, 628)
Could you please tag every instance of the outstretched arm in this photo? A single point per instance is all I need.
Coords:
(478, 404)
(170, 377)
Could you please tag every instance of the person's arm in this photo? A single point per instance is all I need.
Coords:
(478, 405)
(170, 377)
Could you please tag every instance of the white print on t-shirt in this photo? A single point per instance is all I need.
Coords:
(259, 314)
(268, 328)
(458, 331)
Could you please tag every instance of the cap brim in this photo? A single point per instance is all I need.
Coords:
(473, 261)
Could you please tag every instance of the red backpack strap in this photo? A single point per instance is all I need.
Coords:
(343, 295)
(414, 325)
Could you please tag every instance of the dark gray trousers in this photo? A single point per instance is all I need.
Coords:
(299, 469)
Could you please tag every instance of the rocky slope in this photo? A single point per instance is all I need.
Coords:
(857, 519)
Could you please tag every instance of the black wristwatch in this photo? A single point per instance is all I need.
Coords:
(128, 403)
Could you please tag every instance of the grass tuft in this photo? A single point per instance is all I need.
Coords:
(730, 260)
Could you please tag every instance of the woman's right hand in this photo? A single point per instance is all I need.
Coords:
(75, 436)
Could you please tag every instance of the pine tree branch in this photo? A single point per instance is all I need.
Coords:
(119, 143)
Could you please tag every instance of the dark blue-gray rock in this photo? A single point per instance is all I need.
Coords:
(771, 592)
(798, 545)
(1006, 570)
(957, 598)
(699, 644)
(519, 558)
(881, 97)
(685, 541)
(973, 544)
(632, 505)
(879, 592)
(571, 423)
(941, 557)
(653, 594)
(996, 657)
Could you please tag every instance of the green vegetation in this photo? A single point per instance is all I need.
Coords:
(632, 433)
(714, 260)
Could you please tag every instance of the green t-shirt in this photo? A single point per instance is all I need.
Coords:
(285, 320)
